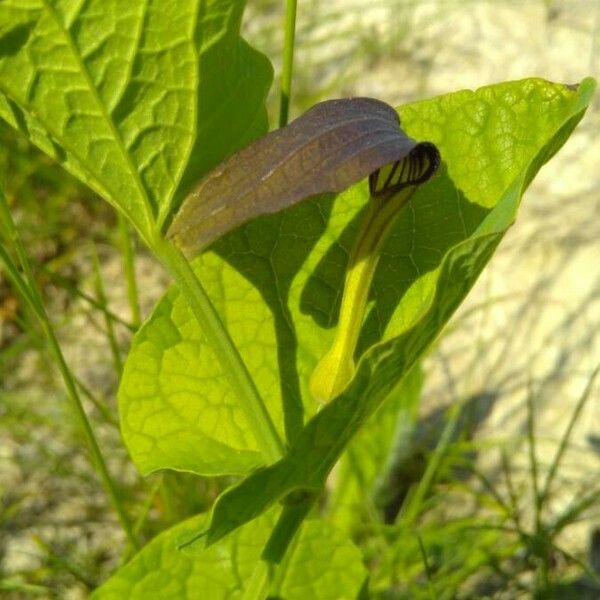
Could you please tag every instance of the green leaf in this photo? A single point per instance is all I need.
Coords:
(502, 135)
(176, 407)
(161, 570)
(361, 483)
(291, 267)
(323, 564)
(127, 94)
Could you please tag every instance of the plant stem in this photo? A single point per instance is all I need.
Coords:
(73, 289)
(33, 297)
(103, 301)
(85, 425)
(415, 504)
(533, 464)
(224, 348)
(127, 250)
(566, 438)
(100, 405)
(287, 526)
(280, 570)
(288, 62)
(428, 571)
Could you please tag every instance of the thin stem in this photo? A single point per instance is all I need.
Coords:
(27, 589)
(566, 438)
(166, 497)
(103, 301)
(224, 348)
(85, 425)
(428, 571)
(127, 250)
(288, 62)
(280, 569)
(514, 513)
(73, 289)
(142, 518)
(287, 526)
(533, 465)
(63, 562)
(417, 499)
(150, 499)
(101, 406)
(33, 297)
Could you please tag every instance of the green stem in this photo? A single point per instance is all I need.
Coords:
(533, 464)
(416, 500)
(59, 562)
(103, 301)
(224, 348)
(281, 570)
(127, 250)
(33, 297)
(100, 405)
(73, 289)
(292, 516)
(336, 368)
(86, 427)
(288, 62)
(566, 437)
(147, 506)
(141, 519)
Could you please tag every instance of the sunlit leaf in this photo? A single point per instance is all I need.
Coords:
(128, 94)
(447, 237)
(323, 564)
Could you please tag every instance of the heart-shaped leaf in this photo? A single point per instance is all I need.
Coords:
(519, 126)
(324, 564)
(291, 266)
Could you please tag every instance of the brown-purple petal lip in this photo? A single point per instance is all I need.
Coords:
(330, 147)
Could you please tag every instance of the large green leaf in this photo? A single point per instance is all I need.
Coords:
(137, 98)
(493, 141)
(177, 409)
(323, 564)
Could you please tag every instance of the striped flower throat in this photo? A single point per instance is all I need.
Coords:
(391, 188)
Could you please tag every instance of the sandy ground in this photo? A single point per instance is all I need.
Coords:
(532, 325)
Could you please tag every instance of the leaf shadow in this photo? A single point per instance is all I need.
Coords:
(13, 40)
(438, 217)
(269, 251)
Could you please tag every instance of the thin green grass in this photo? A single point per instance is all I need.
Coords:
(103, 302)
(27, 288)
